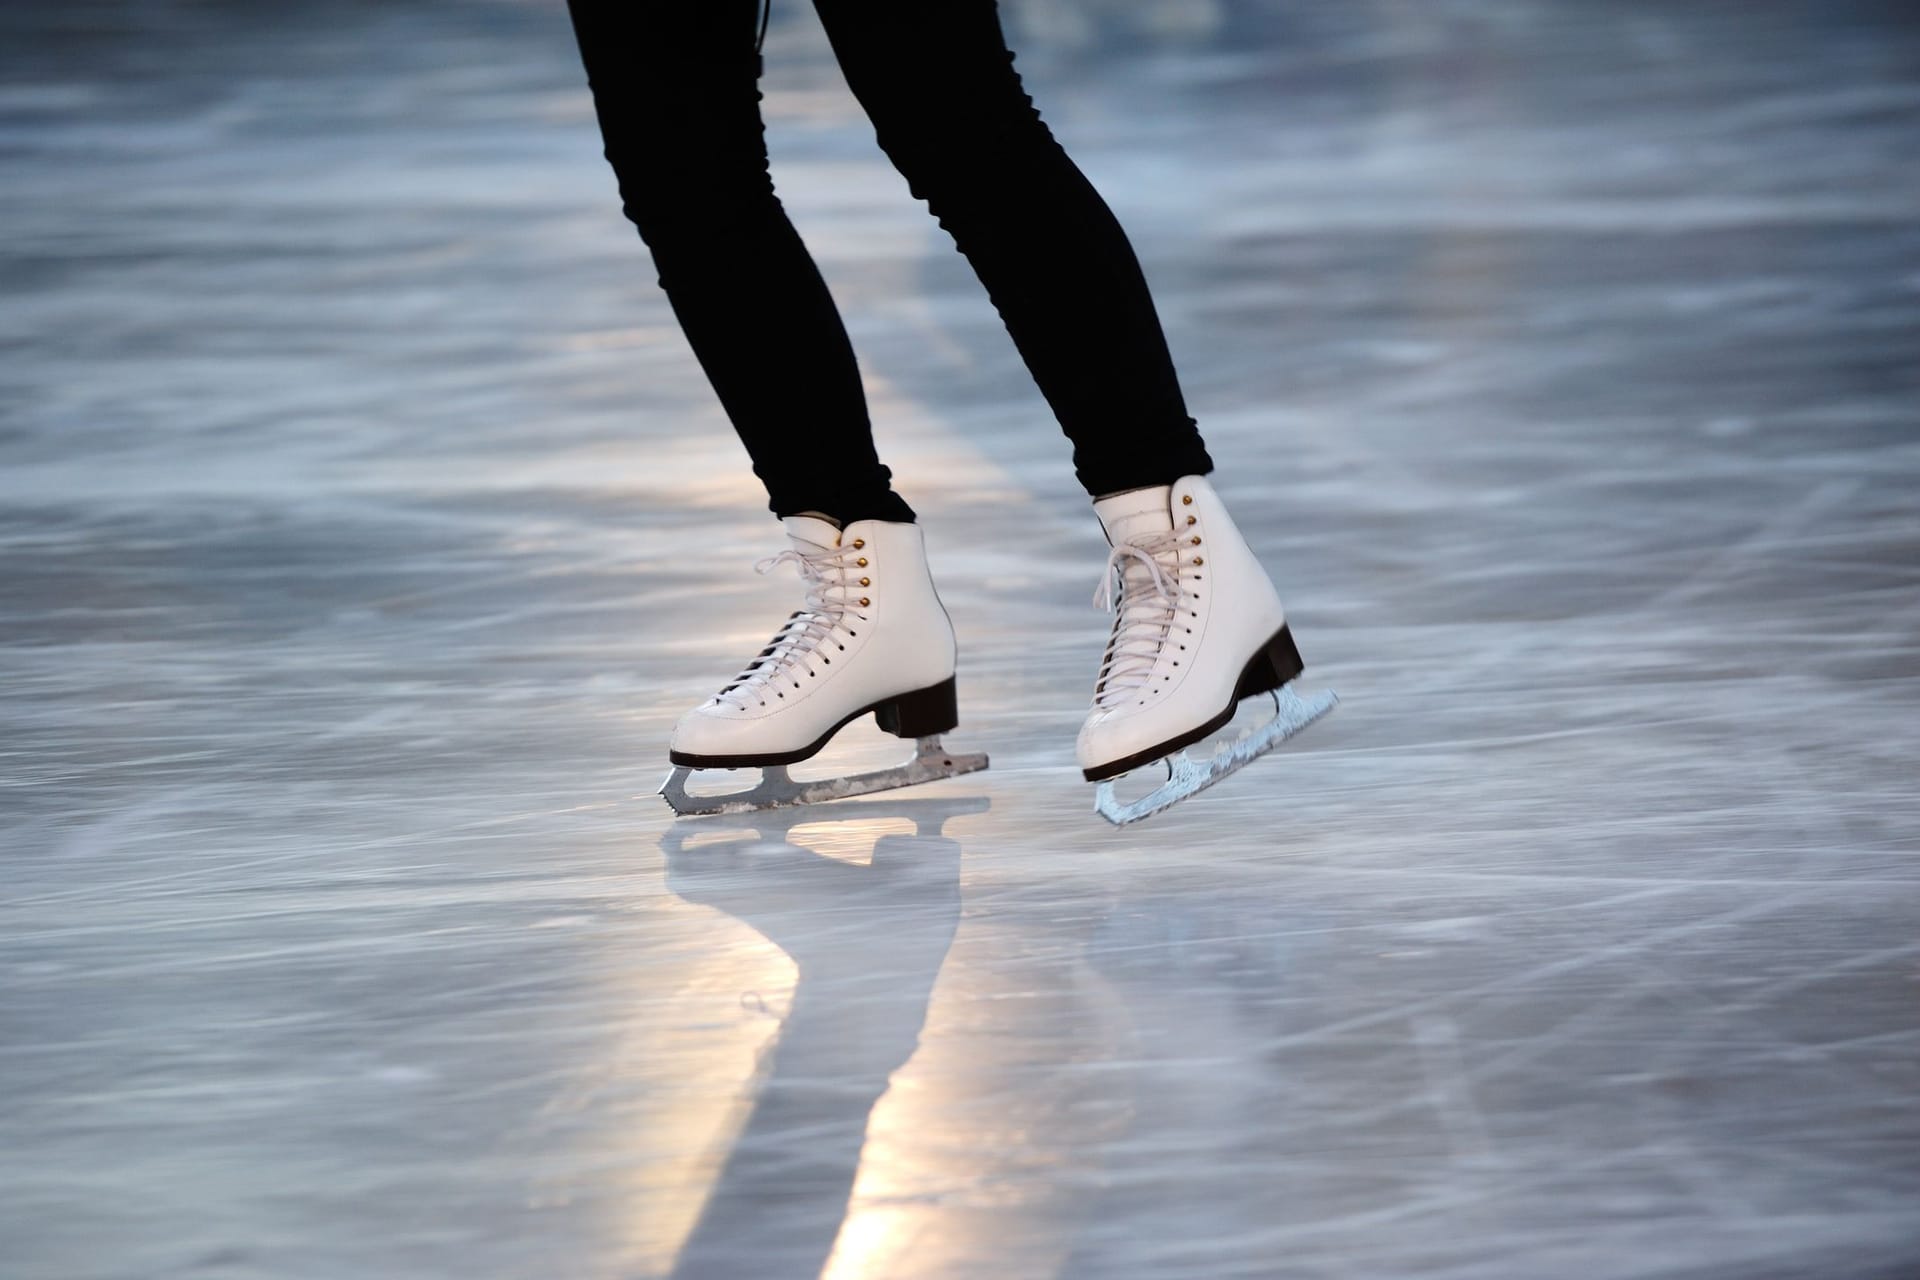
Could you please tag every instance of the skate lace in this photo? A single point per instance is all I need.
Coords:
(829, 601)
(1144, 613)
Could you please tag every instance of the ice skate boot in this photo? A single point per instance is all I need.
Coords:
(1197, 627)
(872, 636)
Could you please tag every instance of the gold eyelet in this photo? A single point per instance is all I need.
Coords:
(1198, 560)
(862, 562)
(1190, 519)
(1196, 539)
(864, 602)
(859, 543)
(1187, 501)
(866, 582)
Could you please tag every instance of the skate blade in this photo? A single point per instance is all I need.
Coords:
(778, 790)
(1187, 776)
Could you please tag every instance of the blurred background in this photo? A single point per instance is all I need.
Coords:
(365, 524)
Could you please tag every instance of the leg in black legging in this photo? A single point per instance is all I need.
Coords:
(936, 78)
(675, 85)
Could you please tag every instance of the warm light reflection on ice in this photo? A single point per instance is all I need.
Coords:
(689, 1074)
(980, 1158)
(863, 898)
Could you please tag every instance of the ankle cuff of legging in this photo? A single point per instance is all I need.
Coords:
(1109, 480)
(883, 506)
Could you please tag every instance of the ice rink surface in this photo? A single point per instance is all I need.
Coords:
(365, 524)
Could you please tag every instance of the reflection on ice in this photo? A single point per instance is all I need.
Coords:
(867, 938)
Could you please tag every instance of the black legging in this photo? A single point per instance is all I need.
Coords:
(675, 84)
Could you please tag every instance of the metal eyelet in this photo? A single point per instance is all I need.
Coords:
(864, 602)
(859, 543)
(1198, 560)
(862, 562)
(866, 582)
(1187, 500)
(1196, 539)
(1190, 519)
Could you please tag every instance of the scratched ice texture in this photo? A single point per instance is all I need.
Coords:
(365, 523)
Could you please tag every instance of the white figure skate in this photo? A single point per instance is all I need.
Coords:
(872, 636)
(1197, 627)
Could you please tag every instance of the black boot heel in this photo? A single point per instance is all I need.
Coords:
(934, 709)
(1277, 662)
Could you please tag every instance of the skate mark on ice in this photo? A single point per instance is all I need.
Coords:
(1450, 1088)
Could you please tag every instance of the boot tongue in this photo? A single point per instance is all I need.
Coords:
(1136, 512)
(809, 533)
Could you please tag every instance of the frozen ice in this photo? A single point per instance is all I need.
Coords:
(365, 524)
